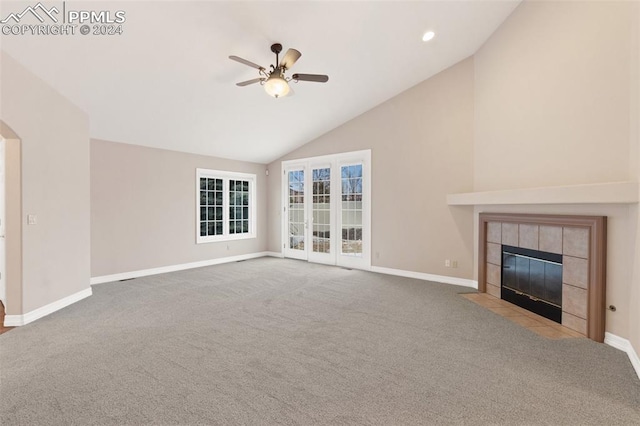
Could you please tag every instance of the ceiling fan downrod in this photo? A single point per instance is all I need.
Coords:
(276, 48)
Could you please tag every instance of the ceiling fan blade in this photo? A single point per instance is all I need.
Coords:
(290, 58)
(248, 82)
(244, 61)
(318, 78)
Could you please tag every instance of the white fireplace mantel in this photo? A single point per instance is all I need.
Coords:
(599, 193)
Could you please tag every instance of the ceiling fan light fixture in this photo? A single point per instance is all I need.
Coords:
(275, 83)
(276, 86)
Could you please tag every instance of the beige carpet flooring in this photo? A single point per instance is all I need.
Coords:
(273, 341)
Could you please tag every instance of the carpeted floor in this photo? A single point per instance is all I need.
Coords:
(272, 341)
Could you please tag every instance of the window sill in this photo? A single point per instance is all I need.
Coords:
(223, 238)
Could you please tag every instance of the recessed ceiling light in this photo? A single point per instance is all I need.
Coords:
(428, 36)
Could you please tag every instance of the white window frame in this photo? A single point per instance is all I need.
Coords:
(226, 176)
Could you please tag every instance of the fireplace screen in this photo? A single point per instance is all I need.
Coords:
(533, 280)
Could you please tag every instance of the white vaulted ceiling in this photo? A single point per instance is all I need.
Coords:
(167, 82)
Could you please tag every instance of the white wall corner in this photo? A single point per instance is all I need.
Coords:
(625, 346)
(426, 277)
(19, 320)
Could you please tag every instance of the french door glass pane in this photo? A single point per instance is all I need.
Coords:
(321, 210)
(351, 179)
(296, 210)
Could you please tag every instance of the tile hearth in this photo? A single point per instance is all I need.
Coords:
(532, 322)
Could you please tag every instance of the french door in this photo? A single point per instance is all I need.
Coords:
(327, 209)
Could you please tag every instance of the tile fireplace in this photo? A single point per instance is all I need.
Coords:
(553, 265)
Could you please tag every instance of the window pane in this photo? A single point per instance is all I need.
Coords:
(211, 214)
(296, 210)
(203, 197)
(218, 213)
(219, 228)
(351, 208)
(210, 196)
(203, 229)
(211, 228)
(203, 183)
(321, 209)
(238, 197)
(203, 213)
(211, 184)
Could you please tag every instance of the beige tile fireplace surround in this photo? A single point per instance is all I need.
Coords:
(581, 240)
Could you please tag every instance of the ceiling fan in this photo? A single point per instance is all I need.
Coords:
(274, 80)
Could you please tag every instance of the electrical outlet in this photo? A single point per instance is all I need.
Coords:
(454, 263)
(32, 219)
(447, 263)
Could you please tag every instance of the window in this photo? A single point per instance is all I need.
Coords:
(225, 205)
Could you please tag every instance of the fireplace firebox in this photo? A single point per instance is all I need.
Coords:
(532, 279)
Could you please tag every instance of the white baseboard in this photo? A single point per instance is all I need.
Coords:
(427, 277)
(274, 254)
(625, 346)
(173, 268)
(18, 320)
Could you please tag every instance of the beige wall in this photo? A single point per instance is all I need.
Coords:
(556, 93)
(143, 208)
(421, 143)
(54, 138)
(552, 95)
